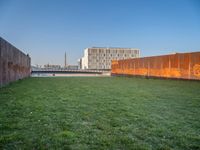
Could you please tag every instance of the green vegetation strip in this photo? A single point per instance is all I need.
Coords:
(100, 113)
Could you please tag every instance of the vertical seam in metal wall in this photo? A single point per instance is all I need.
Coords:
(148, 67)
(179, 63)
(169, 66)
(189, 67)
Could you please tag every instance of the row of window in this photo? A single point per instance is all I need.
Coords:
(111, 55)
(113, 51)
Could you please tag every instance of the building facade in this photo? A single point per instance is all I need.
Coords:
(80, 63)
(101, 57)
(52, 66)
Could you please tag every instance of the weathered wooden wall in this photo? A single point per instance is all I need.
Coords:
(179, 66)
(14, 64)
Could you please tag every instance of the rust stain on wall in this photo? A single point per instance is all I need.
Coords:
(196, 70)
(179, 65)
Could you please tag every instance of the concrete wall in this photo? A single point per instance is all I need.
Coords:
(14, 64)
(179, 66)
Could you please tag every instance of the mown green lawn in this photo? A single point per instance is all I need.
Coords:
(100, 113)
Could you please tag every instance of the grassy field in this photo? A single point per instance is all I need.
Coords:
(100, 113)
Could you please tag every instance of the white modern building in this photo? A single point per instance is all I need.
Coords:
(101, 57)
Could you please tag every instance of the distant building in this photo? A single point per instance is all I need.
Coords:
(52, 66)
(72, 67)
(65, 60)
(101, 57)
(80, 63)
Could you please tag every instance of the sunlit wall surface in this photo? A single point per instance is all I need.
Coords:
(179, 65)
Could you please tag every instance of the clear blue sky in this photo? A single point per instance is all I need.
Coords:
(47, 28)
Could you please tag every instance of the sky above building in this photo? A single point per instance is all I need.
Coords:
(46, 29)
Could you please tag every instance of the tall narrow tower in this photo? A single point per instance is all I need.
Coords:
(65, 60)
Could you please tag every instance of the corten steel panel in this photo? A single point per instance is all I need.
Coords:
(0, 65)
(14, 64)
(179, 66)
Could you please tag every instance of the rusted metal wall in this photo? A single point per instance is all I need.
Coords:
(14, 64)
(179, 65)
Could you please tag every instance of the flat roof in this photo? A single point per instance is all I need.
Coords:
(112, 48)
